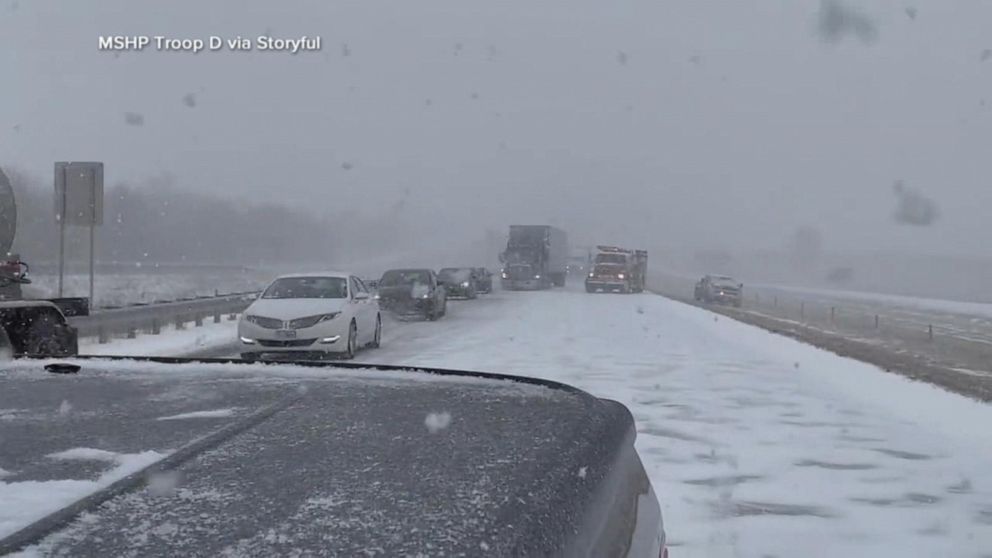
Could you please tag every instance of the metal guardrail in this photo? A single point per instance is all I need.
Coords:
(105, 323)
(959, 342)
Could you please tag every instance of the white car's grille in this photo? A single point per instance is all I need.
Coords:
(308, 321)
(267, 323)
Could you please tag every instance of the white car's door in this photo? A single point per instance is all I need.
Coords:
(360, 304)
(371, 309)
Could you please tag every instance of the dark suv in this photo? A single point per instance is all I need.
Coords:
(412, 292)
(483, 280)
(719, 289)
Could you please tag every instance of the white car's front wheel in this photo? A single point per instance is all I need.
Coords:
(352, 347)
(377, 338)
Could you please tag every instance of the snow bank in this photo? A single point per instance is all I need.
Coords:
(171, 342)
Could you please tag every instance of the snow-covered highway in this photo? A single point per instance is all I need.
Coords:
(757, 445)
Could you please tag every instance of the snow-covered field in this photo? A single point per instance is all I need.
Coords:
(126, 288)
(917, 303)
(757, 445)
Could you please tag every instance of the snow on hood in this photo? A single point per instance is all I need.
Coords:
(292, 308)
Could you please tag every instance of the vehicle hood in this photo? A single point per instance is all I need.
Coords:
(459, 276)
(725, 286)
(291, 308)
(403, 292)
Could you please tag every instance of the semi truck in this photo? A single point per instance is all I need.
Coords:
(30, 327)
(536, 257)
(617, 269)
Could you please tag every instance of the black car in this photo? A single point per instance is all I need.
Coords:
(409, 462)
(459, 281)
(38, 328)
(409, 292)
(483, 280)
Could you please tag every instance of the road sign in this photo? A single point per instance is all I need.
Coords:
(79, 193)
(8, 215)
(78, 201)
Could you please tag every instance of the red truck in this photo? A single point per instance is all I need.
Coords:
(617, 269)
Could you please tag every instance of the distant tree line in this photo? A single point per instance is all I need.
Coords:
(157, 221)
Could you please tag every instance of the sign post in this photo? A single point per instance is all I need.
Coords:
(79, 202)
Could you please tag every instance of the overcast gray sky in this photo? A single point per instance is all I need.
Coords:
(652, 122)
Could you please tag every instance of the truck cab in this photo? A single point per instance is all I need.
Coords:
(617, 270)
(536, 257)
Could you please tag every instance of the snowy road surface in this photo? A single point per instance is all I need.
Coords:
(757, 445)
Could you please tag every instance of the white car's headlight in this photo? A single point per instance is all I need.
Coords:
(620, 276)
(465, 284)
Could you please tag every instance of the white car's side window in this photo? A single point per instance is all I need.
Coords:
(361, 285)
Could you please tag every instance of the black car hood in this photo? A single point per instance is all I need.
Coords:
(407, 464)
(400, 292)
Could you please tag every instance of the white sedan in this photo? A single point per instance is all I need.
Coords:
(311, 315)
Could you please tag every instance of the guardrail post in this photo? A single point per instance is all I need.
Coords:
(831, 314)
(217, 317)
(231, 317)
(775, 301)
(156, 326)
(199, 320)
(876, 321)
(102, 336)
(930, 331)
(180, 323)
(132, 331)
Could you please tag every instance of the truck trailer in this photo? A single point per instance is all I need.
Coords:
(536, 257)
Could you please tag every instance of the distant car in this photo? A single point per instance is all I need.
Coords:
(719, 289)
(405, 461)
(483, 280)
(413, 292)
(459, 282)
(311, 315)
(38, 328)
(578, 266)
